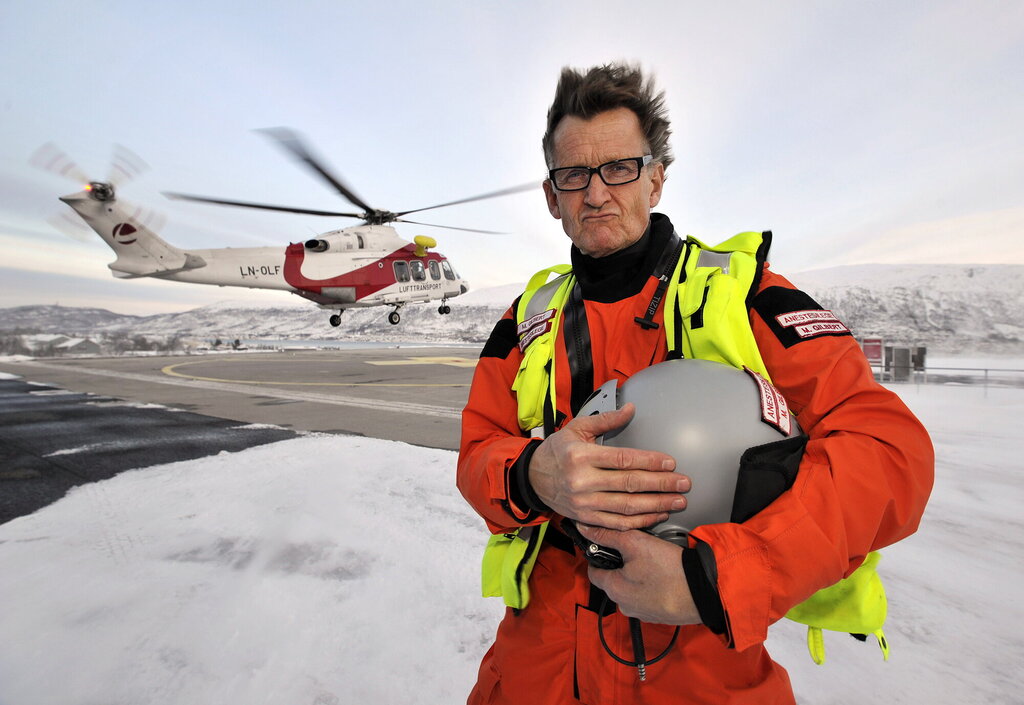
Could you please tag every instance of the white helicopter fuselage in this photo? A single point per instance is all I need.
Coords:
(365, 265)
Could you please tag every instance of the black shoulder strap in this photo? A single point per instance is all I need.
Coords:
(761, 256)
(578, 349)
(663, 271)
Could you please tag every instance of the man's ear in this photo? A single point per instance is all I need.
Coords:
(657, 183)
(549, 194)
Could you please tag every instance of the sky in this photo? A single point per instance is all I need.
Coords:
(858, 132)
(241, 578)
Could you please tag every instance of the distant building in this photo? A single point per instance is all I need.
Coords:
(78, 346)
(39, 339)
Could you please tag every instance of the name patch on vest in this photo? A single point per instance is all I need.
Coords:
(774, 409)
(534, 327)
(808, 324)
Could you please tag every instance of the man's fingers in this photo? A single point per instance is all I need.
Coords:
(624, 503)
(633, 504)
(645, 481)
(598, 424)
(613, 458)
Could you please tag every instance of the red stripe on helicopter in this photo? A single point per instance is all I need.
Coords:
(366, 280)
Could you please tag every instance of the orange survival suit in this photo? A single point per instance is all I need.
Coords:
(862, 484)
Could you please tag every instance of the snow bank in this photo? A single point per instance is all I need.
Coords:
(327, 569)
(331, 569)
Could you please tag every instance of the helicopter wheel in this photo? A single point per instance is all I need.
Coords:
(335, 320)
(447, 309)
(394, 318)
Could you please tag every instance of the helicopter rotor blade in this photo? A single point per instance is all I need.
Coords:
(451, 227)
(291, 142)
(493, 194)
(146, 217)
(262, 206)
(125, 166)
(52, 158)
(73, 228)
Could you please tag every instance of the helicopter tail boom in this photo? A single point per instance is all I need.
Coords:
(140, 252)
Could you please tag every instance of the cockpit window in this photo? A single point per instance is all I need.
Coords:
(418, 272)
(401, 271)
(449, 273)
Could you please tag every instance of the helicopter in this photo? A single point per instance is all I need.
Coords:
(354, 267)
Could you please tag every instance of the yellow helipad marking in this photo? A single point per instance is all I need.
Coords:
(453, 361)
(171, 371)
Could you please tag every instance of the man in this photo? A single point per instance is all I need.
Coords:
(862, 483)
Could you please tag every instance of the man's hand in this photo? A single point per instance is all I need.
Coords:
(651, 585)
(617, 488)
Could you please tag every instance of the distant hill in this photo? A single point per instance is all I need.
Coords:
(946, 307)
(61, 319)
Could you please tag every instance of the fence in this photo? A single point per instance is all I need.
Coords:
(986, 376)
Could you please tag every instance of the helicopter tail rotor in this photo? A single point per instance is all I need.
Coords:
(125, 165)
(73, 228)
(53, 159)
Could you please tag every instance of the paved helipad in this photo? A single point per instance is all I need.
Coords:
(67, 422)
(409, 394)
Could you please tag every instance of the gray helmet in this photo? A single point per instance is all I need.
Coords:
(705, 415)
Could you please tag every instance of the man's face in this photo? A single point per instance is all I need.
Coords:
(603, 219)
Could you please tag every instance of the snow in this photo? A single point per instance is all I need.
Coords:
(500, 297)
(130, 404)
(232, 306)
(1009, 362)
(330, 569)
(72, 451)
(968, 278)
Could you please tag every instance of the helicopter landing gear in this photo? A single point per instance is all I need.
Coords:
(335, 319)
(393, 317)
(444, 307)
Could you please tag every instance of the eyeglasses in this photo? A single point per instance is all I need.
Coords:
(616, 173)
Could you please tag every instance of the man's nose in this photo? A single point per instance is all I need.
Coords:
(597, 192)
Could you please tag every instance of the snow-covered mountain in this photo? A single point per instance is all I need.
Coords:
(946, 307)
(60, 319)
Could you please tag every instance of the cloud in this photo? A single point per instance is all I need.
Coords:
(977, 238)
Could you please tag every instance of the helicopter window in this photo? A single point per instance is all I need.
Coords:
(449, 273)
(401, 271)
(418, 272)
(359, 239)
(435, 271)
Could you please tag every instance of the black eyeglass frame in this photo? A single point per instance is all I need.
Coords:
(591, 170)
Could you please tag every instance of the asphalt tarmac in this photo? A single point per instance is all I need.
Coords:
(66, 422)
